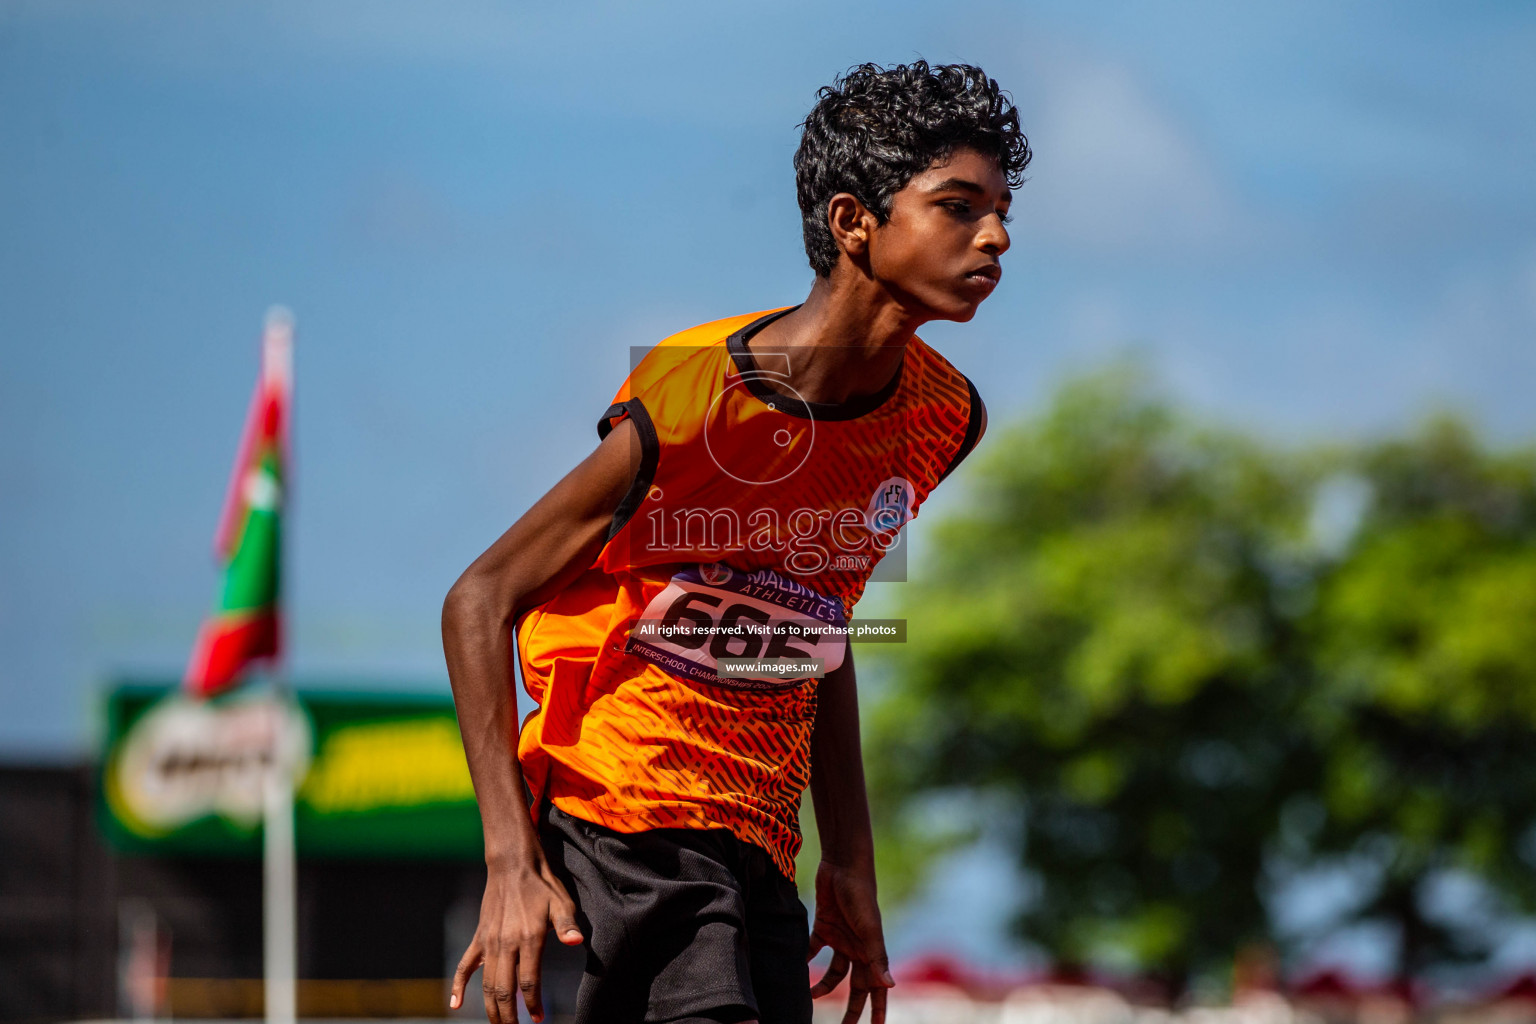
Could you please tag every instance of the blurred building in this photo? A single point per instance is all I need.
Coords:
(132, 887)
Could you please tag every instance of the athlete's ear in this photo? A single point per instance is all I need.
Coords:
(851, 224)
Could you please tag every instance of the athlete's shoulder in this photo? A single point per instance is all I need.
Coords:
(945, 400)
(716, 331)
(678, 376)
(929, 361)
(677, 358)
(934, 378)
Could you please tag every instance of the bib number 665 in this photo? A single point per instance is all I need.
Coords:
(742, 630)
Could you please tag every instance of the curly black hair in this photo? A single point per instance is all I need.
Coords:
(875, 128)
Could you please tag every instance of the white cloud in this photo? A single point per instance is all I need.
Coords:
(1115, 171)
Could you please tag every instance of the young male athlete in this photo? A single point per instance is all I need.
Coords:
(680, 599)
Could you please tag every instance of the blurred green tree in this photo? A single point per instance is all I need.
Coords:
(1423, 634)
(1197, 665)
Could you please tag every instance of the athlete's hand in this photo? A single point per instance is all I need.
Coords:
(848, 920)
(522, 902)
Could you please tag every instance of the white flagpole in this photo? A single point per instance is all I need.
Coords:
(279, 852)
(279, 871)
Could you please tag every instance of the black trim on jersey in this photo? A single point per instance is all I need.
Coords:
(972, 430)
(755, 380)
(650, 455)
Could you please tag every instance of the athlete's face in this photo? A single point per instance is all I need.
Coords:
(938, 253)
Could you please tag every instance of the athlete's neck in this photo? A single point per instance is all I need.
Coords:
(846, 340)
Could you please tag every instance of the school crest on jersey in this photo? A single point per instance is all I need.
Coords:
(890, 507)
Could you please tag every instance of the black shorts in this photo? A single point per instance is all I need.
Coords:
(681, 924)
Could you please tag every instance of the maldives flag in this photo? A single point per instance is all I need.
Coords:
(245, 627)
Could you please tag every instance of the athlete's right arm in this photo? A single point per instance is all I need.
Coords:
(542, 553)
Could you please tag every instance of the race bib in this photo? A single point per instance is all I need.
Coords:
(749, 630)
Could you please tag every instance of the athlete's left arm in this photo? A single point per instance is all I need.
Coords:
(847, 913)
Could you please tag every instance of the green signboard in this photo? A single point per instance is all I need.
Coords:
(378, 775)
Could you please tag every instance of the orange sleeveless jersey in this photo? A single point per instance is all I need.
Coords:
(751, 509)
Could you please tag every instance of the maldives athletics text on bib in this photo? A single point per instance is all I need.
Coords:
(769, 629)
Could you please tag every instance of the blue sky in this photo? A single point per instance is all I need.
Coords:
(1314, 219)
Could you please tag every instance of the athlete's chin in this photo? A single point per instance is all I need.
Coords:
(949, 304)
(959, 312)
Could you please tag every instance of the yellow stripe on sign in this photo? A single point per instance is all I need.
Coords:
(374, 766)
